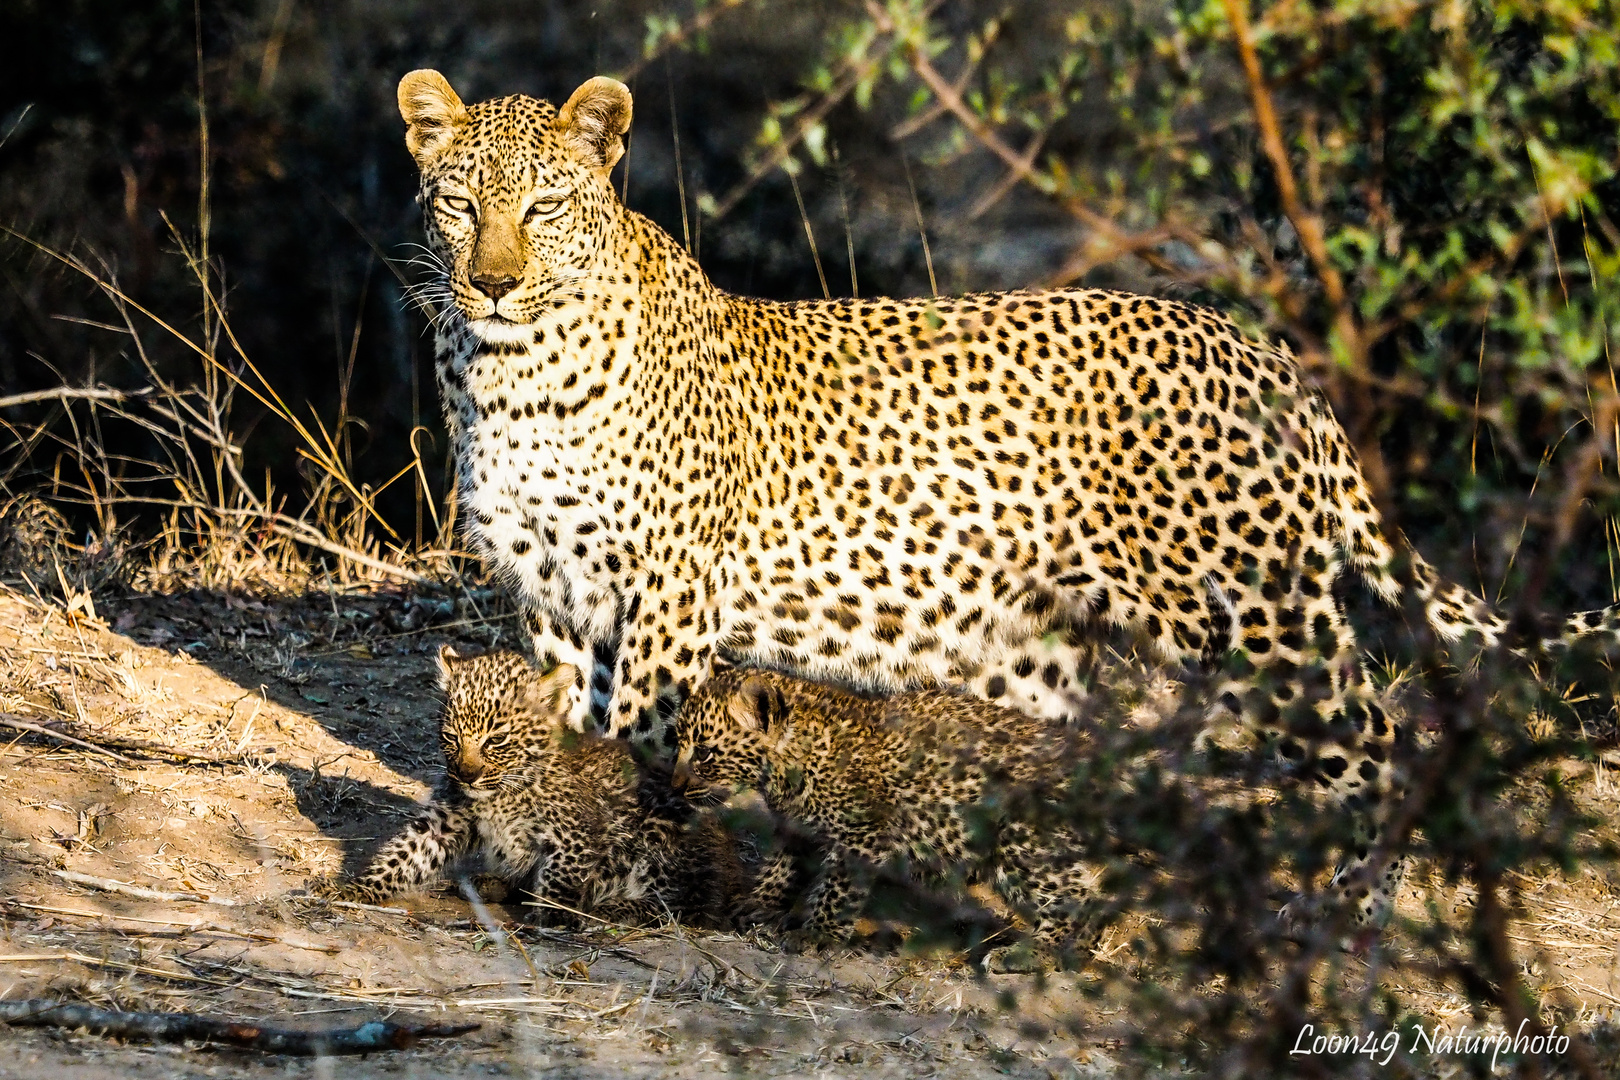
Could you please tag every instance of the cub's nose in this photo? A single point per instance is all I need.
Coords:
(494, 287)
(467, 768)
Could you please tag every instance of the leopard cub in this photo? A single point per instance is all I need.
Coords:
(935, 788)
(571, 819)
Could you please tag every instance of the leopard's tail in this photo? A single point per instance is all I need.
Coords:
(1453, 612)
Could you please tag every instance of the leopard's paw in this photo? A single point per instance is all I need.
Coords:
(1019, 958)
(332, 887)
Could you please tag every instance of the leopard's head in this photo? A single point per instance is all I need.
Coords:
(727, 733)
(498, 713)
(515, 192)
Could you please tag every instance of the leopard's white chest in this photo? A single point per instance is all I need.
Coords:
(530, 504)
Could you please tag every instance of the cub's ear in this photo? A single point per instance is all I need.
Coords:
(547, 693)
(432, 112)
(594, 121)
(756, 705)
(448, 659)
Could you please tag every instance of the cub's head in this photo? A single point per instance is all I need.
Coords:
(515, 193)
(498, 711)
(727, 733)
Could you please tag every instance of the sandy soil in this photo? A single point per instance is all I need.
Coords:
(306, 732)
(319, 720)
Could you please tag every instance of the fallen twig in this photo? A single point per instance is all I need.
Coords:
(17, 723)
(17, 851)
(109, 747)
(357, 906)
(183, 928)
(109, 964)
(108, 885)
(187, 1027)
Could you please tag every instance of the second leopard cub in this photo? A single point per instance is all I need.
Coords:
(571, 819)
(935, 786)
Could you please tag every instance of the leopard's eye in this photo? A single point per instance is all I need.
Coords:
(541, 209)
(455, 204)
(702, 754)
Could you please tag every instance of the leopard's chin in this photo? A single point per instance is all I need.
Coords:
(495, 328)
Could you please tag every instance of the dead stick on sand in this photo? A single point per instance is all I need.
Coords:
(107, 885)
(186, 1027)
(16, 724)
(181, 927)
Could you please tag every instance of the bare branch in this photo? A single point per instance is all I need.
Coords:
(73, 393)
(700, 22)
(1307, 223)
(368, 1038)
(17, 723)
(779, 153)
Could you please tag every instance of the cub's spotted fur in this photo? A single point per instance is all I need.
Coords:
(889, 493)
(935, 785)
(570, 818)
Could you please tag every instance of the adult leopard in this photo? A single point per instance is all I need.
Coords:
(886, 493)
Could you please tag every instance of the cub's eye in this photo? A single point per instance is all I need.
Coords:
(456, 204)
(541, 209)
(702, 755)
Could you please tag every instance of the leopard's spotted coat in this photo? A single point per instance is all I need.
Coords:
(888, 493)
(939, 787)
(573, 820)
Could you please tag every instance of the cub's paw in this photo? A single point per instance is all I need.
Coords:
(1020, 958)
(331, 887)
(806, 940)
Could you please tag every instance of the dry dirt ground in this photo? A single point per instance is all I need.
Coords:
(305, 733)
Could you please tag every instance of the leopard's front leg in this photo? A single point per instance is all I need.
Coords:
(836, 899)
(768, 900)
(663, 656)
(556, 644)
(417, 856)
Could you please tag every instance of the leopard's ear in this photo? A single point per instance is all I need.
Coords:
(448, 659)
(719, 663)
(756, 705)
(548, 693)
(432, 112)
(594, 121)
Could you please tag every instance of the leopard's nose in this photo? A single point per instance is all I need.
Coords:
(494, 286)
(681, 777)
(467, 768)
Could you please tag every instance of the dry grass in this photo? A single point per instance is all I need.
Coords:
(155, 477)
